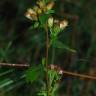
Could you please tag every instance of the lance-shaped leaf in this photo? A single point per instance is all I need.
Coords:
(58, 44)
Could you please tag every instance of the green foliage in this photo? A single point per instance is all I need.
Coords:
(54, 78)
(59, 44)
(23, 41)
(50, 11)
(43, 19)
(33, 74)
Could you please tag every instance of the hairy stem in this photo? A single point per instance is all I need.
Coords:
(46, 61)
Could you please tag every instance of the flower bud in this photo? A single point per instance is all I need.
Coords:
(28, 16)
(60, 72)
(50, 5)
(31, 14)
(50, 21)
(35, 8)
(39, 11)
(52, 67)
(41, 4)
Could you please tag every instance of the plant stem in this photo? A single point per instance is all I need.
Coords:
(46, 61)
(53, 55)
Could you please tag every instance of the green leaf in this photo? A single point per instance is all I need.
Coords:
(50, 11)
(51, 75)
(58, 44)
(43, 18)
(56, 30)
(46, 1)
(33, 74)
(54, 89)
(36, 24)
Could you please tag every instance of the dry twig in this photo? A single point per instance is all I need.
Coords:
(64, 72)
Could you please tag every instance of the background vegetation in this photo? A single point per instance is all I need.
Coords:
(18, 44)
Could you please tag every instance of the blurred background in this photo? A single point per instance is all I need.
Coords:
(20, 45)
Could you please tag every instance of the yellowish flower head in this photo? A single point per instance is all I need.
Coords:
(41, 4)
(63, 24)
(31, 14)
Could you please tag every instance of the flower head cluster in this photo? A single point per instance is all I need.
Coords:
(56, 68)
(39, 8)
(54, 22)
